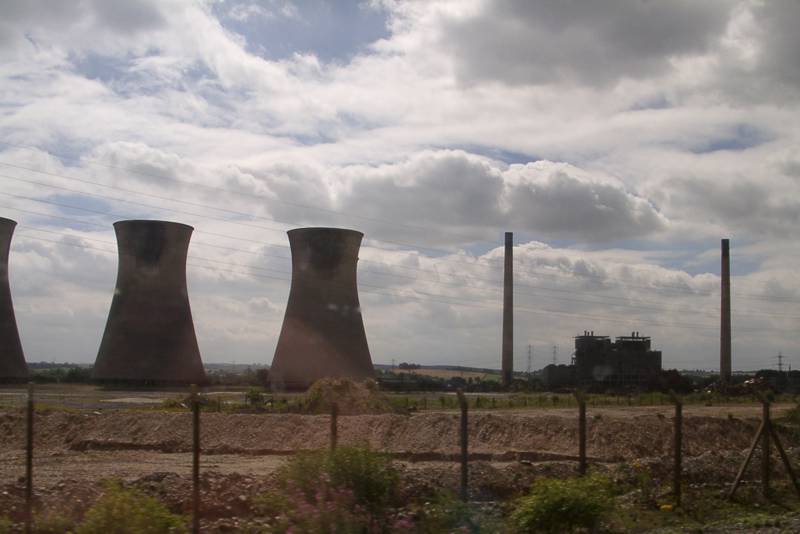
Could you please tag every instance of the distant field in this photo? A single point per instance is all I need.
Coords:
(449, 373)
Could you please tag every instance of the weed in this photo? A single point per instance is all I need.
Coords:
(127, 511)
(445, 513)
(52, 523)
(368, 474)
(555, 505)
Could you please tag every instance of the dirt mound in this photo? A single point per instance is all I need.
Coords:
(351, 397)
(423, 436)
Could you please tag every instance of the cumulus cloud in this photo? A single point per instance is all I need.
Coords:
(547, 41)
(463, 194)
(43, 22)
(623, 139)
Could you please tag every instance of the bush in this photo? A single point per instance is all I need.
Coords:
(369, 475)
(52, 523)
(328, 509)
(126, 511)
(5, 525)
(562, 505)
(255, 397)
(444, 513)
(346, 490)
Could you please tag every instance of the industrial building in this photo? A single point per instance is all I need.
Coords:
(12, 361)
(626, 362)
(323, 331)
(149, 336)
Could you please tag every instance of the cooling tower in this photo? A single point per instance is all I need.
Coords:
(149, 336)
(323, 332)
(12, 362)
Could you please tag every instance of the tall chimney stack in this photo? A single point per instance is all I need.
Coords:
(508, 311)
(725, 325)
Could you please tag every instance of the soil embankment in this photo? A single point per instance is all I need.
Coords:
(612, 436)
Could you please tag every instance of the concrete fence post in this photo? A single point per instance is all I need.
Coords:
(462, 402)
(195, 461)
(677, 448)
(765, 449)
(581, 399)
(334, 425)
(29, 462)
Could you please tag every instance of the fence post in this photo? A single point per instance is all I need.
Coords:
(765, 452)
(29, 463)
(462, 401)
(195, 461)
(678, 447)
(581, 399)
(334, 425)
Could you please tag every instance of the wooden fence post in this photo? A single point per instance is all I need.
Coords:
(580, 397)
(462, 401)
(195, 461)
(29, 462)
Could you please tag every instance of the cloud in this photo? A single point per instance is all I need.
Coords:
(460, 194)
(744, 205)
(619, 141)
(595, 43)
(94, 23)
(560, 201)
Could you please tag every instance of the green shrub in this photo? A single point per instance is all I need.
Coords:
(127, 511)
(255, 397)
(555, 505)
(52, 523)
(5, 525)
(445, 513)
(346, 490)
(369, 475)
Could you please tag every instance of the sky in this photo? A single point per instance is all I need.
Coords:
(619, 140)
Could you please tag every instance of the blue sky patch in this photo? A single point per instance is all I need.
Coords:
(742, 137)
(332, 31)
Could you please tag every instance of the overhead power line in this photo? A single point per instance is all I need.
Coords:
(161, 208)
(460, 284)
(603, 278)
(428, 297)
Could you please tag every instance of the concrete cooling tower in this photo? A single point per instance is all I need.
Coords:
(12, 362)
(323, 332)
(149, 336)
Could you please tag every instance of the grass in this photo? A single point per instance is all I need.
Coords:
(237, 400)
(709, 507)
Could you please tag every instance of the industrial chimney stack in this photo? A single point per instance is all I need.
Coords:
(508, 312)
(725, 325)
(149, 336)
(12, 362)
(323, 331)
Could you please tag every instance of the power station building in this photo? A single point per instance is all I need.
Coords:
(149, 336)
(626, 362)
(323, 331)
(12, 361)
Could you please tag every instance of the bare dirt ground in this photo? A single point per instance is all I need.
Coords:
(75, 451)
